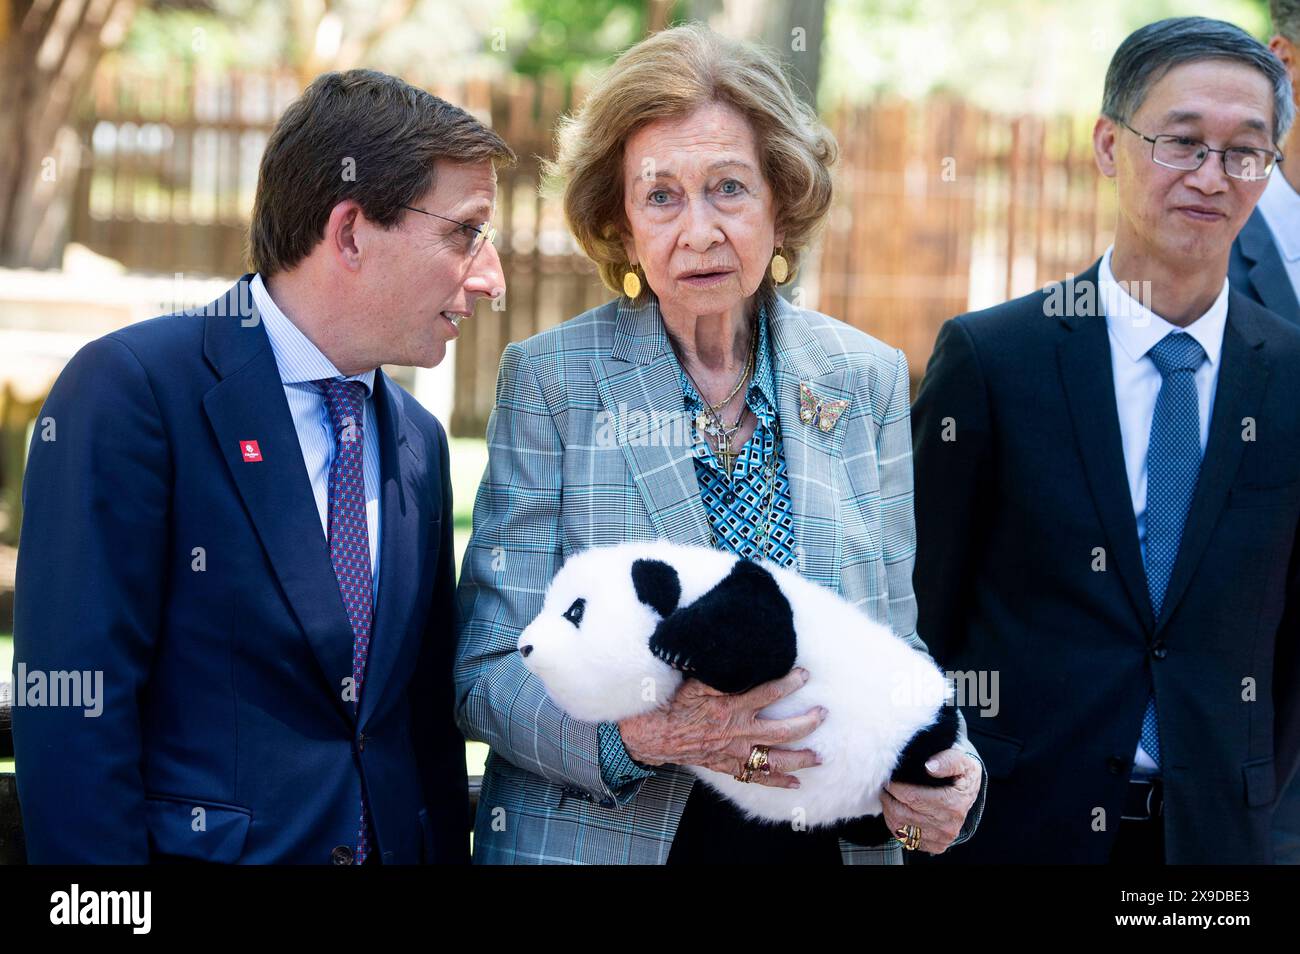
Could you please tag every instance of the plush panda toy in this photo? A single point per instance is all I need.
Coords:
(621, 627)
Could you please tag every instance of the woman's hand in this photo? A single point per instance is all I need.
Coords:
(702, 726)
(938, 812)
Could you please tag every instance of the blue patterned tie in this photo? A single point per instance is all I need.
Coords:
(349, 537)
(1173, 465)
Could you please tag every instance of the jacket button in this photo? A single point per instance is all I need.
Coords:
(1158, 649)
(1117, 765)
(361, 742)
(342, 855)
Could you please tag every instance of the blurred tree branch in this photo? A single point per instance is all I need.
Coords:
(323, 38)
(48, 51)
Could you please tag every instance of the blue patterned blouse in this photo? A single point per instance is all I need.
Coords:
(757, 492)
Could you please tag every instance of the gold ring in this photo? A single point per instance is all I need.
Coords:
(757, 762)
(909, 835)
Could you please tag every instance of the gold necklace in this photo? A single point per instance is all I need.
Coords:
(709, 420)
(744, 373)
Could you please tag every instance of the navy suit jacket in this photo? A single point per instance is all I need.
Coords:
(201, 586)
(1028, 564)
(1256, 269)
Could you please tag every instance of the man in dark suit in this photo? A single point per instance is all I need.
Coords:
(1265, 265)
(239, 528)
(1108, 496)
(1265, 262)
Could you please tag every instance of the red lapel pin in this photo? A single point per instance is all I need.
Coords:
(251, 453)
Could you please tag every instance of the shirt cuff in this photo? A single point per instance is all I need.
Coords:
(617, 768)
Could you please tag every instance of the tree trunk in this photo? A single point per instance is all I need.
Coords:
(793, 28)
(48, 52)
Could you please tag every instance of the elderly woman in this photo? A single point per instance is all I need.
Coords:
(693, 179)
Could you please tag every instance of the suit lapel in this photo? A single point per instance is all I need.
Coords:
(813, 456)
(400, 558)
(1267, 270)
(640, 390)
(249, 404)
(1084, 359)
(1243, 375)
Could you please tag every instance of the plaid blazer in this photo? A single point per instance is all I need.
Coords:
(583, 451)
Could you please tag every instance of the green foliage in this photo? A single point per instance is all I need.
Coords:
(535, 36)
(1045, 56)
(234, 34)
(565, 36)
(468, 461)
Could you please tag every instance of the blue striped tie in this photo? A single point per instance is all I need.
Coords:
(1173, 465)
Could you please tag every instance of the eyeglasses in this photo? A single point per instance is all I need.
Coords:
(483, 234)
(1179, 152)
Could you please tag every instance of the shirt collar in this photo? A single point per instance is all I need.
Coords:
(763, 360)
(1137, 329)
(299, 361)
(1280, 206)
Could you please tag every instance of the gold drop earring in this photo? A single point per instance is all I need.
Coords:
(631, 283)
(780, 268)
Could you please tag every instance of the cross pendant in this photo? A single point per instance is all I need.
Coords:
(724, 451)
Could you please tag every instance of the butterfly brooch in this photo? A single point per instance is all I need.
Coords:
(820, 411)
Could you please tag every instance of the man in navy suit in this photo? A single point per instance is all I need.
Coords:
(1108, 496)
(241, 528)
(1265, 266)
(1265, 262)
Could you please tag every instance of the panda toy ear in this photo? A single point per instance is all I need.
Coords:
(737, 635)
(657, 585)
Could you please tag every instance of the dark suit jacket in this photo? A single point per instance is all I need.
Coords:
(223, 667)
(1256, 269)
(1012, 516)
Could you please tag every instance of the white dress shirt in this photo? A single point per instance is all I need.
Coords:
(1134, 329)
(300, 362)
(1280, 206)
